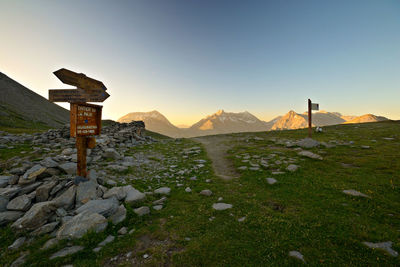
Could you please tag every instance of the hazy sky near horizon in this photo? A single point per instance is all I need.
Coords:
(187, 58)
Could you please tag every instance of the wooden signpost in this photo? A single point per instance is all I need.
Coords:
(85, 119)
(311, 107)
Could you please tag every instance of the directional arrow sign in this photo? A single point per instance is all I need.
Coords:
(76, 96)
(79, 80)
(89, 90)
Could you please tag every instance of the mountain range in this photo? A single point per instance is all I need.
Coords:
(223, 122)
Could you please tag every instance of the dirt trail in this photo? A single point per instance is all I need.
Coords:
(217, 147)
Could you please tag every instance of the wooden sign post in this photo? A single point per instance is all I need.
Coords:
(85, 119)
(311, 107)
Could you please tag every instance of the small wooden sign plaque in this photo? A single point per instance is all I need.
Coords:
(85, 120)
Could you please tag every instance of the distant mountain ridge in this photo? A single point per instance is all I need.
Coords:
(223, 122)
(21, 107)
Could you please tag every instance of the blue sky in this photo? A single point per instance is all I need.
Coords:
(187, 59)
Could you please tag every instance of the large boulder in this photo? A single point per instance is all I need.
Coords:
(31, 174)
(43, 191)
(9, 192)
(105, 207)
(117, 192)
(67, 199)
(307, 143)
(120, 215)
(21, 203)
(35, 217)
(80, 224)
(133, 195)
(69, 167)
(4, 180)
(111, 153)
(9, 216)
(86, 191)
(3, 204)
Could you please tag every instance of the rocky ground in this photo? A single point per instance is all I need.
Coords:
(161, 201)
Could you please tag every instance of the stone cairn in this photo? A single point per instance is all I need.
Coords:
(46, 197)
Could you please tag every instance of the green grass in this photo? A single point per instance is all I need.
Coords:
(305, 211)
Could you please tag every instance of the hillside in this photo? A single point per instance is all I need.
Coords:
(154, 121)
(246, 199)
(367, 118)
(23, 108)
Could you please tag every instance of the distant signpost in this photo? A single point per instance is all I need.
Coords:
(85, 119)
(311, 107)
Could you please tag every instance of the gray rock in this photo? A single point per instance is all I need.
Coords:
(58, 187)
(69, 167)
(9, 192)
(158, 207)
(111, 182)
(9, 216)
(292, 168)
(386, 246)
(49, 163)
(85, 192)
(307, 143)
(271, 180)
(309, 154)
(133, 195)
(188, 190)
(21, 203)
(61, 212)
(3, 204)
(105, 207)
(221, 206)
(4, 180)
(119, 215)
(19, 170)
(118, 192)
(355, 193)
(67, 199)
(17, 243)
(109, 239)
(66, 251)
(142, 211)
(80, 224)
(49, 243)
(35, 217)
(20, 261)
(206, 192)
(47, 228)
(31, 174)
(297, 255)
(43, 191)
(163, 191)
(123, 231)
(68, 151)
(95, 250)
(160, 201)
(365, 147)
(29, 188)
(111, 153)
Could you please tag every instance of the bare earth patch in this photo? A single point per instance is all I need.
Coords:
(217, 147)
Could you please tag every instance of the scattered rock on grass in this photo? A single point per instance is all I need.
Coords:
(355, 193)
(142, 211)
(66, 251)
(206, 192)
(221, 206)
(297, 255)
(386, 246)
(271, 180)
(309, 154)
(292, 167)
(163, 191)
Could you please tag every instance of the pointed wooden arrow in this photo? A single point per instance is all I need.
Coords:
(89, 90)
(76, 96)
(79, 80)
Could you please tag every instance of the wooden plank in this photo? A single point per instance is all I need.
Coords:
(81, 156)
(79, 80)
(75, 96)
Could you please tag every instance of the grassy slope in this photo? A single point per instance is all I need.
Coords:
(304, 211)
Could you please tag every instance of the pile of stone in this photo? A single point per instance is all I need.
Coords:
(62, 207)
